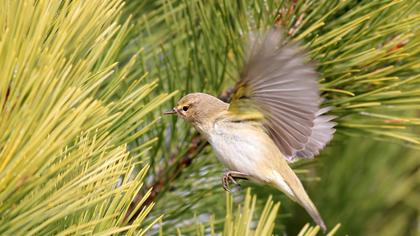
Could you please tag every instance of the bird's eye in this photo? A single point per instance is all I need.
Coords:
(185, 108)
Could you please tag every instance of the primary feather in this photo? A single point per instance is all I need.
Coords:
(278, 83)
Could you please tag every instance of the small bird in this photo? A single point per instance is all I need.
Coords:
(274, 117)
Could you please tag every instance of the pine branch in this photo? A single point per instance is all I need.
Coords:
(198, 143)
(66, 118)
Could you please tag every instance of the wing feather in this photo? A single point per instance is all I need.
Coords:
(279, 83)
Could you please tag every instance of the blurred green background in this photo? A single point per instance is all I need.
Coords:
(84, 149)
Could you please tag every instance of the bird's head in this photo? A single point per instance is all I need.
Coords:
(199, 109)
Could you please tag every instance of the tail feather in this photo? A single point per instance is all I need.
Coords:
(313, 212)
(293, 188)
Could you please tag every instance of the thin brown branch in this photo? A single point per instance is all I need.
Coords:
(162, 178)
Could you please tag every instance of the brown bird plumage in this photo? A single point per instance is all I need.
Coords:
(274, 117)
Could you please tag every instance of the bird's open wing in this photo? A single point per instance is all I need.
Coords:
(280, 87)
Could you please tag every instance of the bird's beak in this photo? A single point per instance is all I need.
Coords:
(171, 112)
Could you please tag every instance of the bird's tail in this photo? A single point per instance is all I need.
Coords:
(293, 188)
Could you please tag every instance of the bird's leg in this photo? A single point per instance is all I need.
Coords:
(232, 176)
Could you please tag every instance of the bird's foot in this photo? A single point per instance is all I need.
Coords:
(232, 176)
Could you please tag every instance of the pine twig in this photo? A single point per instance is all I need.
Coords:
(162, 178)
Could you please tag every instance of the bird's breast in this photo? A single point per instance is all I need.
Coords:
(242, 147)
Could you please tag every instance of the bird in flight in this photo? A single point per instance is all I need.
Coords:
(274, 118)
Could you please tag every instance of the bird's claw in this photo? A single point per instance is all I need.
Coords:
(227, 178)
